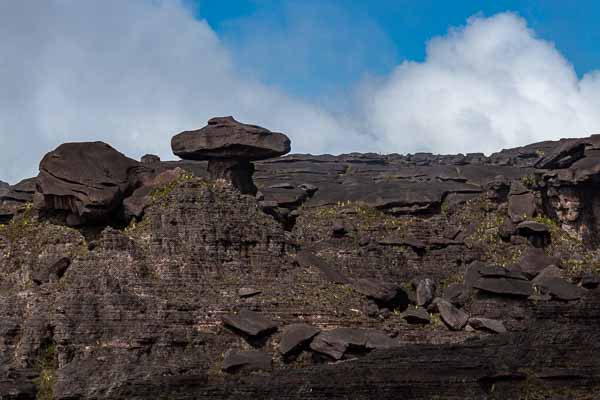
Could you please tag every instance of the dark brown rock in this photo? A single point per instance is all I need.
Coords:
(487, 324)
(454, 318)
(425, 292)
(381, 292)
(87, 180)
(295, 336)
(534, 260)
(416, 316)
(249, 322)
(504, 286)
(560, 289)
(246, 360)
(226, 139)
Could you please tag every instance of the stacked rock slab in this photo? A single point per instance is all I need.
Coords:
(230, 147)
(87, 180)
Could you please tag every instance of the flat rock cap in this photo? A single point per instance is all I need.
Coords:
(224, 138)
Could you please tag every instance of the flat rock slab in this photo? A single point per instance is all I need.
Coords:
(495, 271)
(246, 360)
(456, 293)
(453, 317)
(295, 336)
(534, 260)
(249, 322)
(416, 316)
(503, 286)
(335, 343)
(560, 289)
(248, 292)
(382, 292)
(225, 138)
(487, 324)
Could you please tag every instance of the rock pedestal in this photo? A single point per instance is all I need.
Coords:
(229, 147)
(238, 172)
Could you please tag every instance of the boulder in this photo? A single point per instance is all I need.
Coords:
(334, 343)
(454, 318)
(246, 360)
(295, 336)
(337, 342)
(87, 180)
(521, 206)
(251, 323)
(534, 260)
(381, 292)
(486, 324)
(416, 316)
(551, 271)
(563, 155)
(504, 286)
(560, 289)
(425, 292)
(537, 233)
(456, 293)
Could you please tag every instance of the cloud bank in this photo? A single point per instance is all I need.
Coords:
(134, 73)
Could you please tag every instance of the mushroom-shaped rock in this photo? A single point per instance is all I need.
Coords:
(230, 146)
(249, 322)
(296, 335)
(88, 180)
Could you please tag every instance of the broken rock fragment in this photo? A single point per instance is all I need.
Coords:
(249, 322)
(295, 336)
(453, 317)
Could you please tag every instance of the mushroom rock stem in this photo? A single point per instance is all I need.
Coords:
(238, 172)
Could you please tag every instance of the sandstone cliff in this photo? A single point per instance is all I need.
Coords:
(355, 276)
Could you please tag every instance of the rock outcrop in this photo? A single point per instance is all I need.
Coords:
(88, 181)
(352, 276)
(230, 146)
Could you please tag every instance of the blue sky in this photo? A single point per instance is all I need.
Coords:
(336, 76)
(381, 34)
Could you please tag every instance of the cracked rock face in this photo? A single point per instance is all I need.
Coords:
(329, 284)
(87, 180)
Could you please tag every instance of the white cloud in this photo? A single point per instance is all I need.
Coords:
(482, 87)
(133, 73)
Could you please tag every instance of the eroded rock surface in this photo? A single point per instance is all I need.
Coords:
(210, 293)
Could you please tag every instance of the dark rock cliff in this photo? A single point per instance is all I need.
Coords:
(354, 276)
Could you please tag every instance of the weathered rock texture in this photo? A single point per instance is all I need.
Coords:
(371, 277)
(230, 146)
